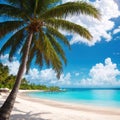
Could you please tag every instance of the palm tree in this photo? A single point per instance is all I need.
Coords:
(34, 27)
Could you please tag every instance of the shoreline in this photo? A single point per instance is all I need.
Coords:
(75, 106)
(28, 108)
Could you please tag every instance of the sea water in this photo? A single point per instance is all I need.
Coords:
(100, 97)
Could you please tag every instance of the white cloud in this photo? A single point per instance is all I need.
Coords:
(97, 28)
(4, 57)
(117, 30)
(33, 74)
(65, 79)
(47, 76)
(118, 2)
(102, 75)
(37, 76)
(13, 66)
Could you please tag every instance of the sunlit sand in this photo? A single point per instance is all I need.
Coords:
(27, 108)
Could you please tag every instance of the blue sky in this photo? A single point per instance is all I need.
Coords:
(90, 64)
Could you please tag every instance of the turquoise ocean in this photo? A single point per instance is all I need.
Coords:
(99, 97)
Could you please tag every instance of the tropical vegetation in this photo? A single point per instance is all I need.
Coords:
(7, 80)
(34, 28)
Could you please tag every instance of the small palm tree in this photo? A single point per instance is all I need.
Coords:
(34, 26)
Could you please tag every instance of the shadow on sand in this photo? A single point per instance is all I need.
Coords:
(28, 116)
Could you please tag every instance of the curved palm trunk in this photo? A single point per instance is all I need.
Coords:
(7, 107)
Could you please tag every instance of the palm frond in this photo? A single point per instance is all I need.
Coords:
(17, 42)
(69, 26)
(51, 56)
(32, 53)
(9, 26)
(28, 7)
(6, 46)
(23, 49)
(13, 2)
(35, 8)
(24, 45)
(30, 58)
(13, 44)
(58, 34)
(39, 58)
(36, 50)
(11, 11)
(57, 47)
(72, 8)
(25, 6)
(44, 5)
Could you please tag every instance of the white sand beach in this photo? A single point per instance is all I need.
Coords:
(27, 108)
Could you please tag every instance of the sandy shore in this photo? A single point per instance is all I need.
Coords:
(27, 108)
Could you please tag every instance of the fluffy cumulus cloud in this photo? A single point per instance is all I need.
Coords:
(4, 57)
(48, 76)
(102, 75)
(37, 76)
(118, 2)
(98, 29)
(13, 66)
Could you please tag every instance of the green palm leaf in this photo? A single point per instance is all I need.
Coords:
(39, 58)
(69, 26)
(57, 47)
(9, 26)
(58, 34)
(42, 5)
(14, 43)
(17, 42)
(71, 8)
(51, 57)
(32, 54)
(36, 50)
(11, 11)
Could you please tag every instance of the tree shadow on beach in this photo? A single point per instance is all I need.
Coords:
(1, 103)
(29, 116)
